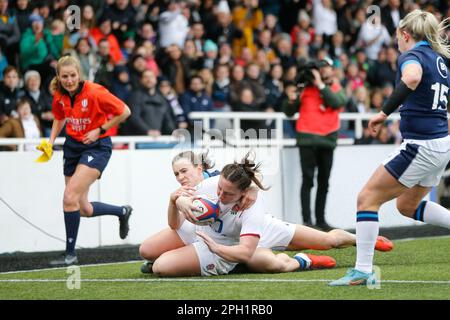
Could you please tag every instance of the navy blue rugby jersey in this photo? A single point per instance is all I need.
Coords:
(424, 112)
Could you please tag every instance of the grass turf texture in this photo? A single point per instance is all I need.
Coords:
(414, 260)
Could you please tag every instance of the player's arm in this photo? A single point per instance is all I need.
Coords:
(114, 121)
(57, 126)
(174, 218)
(411, 77)
(240, 253)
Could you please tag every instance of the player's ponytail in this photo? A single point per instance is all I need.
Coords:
(422, 25)
(243, 174)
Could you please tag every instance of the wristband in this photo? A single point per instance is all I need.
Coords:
(102, 130)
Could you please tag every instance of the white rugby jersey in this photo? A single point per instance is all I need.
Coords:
(231, 224)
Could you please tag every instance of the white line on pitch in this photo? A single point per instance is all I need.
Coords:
(217, 280)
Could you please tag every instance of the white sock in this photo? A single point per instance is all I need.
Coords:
(367, 227)
(433, 213)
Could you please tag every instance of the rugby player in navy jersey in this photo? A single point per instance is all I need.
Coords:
(417, 165)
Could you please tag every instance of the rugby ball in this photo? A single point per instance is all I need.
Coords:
(207, 210)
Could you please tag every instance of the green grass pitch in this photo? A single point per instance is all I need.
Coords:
(415, 269)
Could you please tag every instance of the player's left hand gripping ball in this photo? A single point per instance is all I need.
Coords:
(47, 151)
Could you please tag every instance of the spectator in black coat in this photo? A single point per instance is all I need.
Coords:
(9, 93)
(391, 14)
(151, 114)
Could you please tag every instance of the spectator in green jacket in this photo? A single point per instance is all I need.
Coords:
(38, 50)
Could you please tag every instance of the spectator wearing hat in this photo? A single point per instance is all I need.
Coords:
(210, 50)
(318, 105)
(38, 49)
(9, 32)
(121, 84)
(40, 101)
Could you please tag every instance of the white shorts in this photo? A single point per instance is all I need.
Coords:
(187, 232)
(276, 234)
(210, 263)
(419, 162)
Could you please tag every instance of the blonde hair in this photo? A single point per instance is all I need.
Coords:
(55, 84)
(422, 25)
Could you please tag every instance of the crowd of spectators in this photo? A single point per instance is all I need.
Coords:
(168, 58)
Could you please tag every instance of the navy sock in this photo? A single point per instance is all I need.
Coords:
(101, 209)
(72, 222)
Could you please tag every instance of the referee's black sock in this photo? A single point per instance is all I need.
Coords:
(102, 209)
(72, 222)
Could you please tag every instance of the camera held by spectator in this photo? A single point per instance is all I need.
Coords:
(305, 73)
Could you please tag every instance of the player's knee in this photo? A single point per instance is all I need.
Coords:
(70, 199)
(331, 240)
(146, 252)
(363, 200)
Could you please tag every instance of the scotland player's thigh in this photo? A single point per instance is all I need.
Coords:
(210, 263)
(419, 162)
(277, 234)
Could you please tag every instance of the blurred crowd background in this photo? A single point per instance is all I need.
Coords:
(168, 58)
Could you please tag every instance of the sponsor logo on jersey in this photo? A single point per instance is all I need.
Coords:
(442, 68)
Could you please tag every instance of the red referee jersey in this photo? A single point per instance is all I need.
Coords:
(90, 109)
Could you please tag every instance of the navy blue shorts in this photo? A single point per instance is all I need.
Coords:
(95, 155)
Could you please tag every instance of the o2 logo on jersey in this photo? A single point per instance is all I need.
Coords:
(442, 68)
